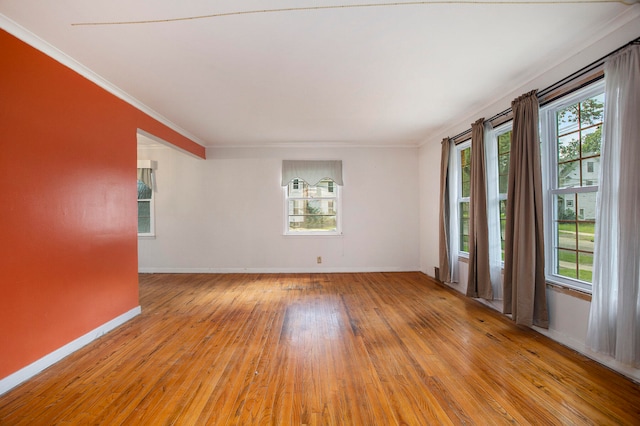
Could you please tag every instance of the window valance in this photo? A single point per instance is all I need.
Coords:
(144, 175)
(311, 171)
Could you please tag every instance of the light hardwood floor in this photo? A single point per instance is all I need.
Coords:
(353, 349)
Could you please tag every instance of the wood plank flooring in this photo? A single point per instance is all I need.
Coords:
(316, 349)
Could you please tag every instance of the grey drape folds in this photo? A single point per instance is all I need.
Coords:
(144, 175)
(524, 281)
(479, 283)
(445, 247)
(311, 171)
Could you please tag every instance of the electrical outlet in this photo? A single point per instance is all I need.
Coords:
(319, 259)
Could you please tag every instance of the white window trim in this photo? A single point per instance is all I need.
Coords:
(456, 199)
(500, 130)
(152, 213)
(549, 152)
(285, 223)
(150, 164)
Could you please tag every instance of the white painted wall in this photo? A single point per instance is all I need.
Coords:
(225, 214)
(429, 189)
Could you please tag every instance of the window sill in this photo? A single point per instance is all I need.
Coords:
(570, 291)
(146, 237)
(314, 235)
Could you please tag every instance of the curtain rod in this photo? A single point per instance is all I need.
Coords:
(572, 77)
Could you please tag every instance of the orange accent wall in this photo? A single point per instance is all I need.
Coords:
(68, 218)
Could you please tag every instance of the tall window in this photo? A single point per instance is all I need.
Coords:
(503, 140)
(145, 210)
(464, 191)
(574, 129)
(312, 209)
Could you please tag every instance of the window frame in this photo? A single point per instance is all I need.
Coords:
(334, 189)
(459, 199)
(152, 220)
(552, 189)
(502, 196)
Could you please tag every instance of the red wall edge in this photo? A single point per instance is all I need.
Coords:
(68, 218)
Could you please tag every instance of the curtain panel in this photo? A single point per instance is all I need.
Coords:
(614, 319)
(445, 214)
(144, 175)
(311, 171)
(479, 279)
(493, 210)
(524, 278)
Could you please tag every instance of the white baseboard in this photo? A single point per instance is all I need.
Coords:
(36, 367)
(578, 346)
(312, 270)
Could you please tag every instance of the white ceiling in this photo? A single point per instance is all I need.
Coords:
(299, 71)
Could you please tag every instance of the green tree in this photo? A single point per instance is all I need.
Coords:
(312, 220)
(582, 115)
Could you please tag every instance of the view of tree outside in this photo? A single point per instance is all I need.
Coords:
(144, 208)
(504, 150)
(465, 193)
(312, 208)
(579, 137)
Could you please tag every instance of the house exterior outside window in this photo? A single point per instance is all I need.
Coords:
(573, 131)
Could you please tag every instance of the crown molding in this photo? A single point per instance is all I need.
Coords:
(53, 52)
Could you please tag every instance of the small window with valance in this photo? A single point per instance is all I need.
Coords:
(146, 216)
(312, 197)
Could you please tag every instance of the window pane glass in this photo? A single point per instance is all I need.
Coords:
(585, 266)
(503, 183)
(299, 188)
(504, 143)
(312, 215)
(466, 182)
(591, 172)
(569, 174)
(586, 236)
(567, 263)
(565, 205)
(312, 207)
(144, 217)
(466, 189)
(567, 120)
(315, 208)
(567, 235)
(465, 164)
(312, 223)
(144, 209)
(569, 147)
(144, 192)
(503, 164)
(503, 223)
(144, 225)
(464, 226)
(465, 156)
(587, 206)
(592, 110)
(578, 141)
(591, 141)
(325, 188)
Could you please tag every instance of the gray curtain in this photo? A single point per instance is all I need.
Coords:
(144, 175)
(524, 281)
(311, 171)
(445, 247)
(479, 282)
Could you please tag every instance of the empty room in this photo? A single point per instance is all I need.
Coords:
(313, 212)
